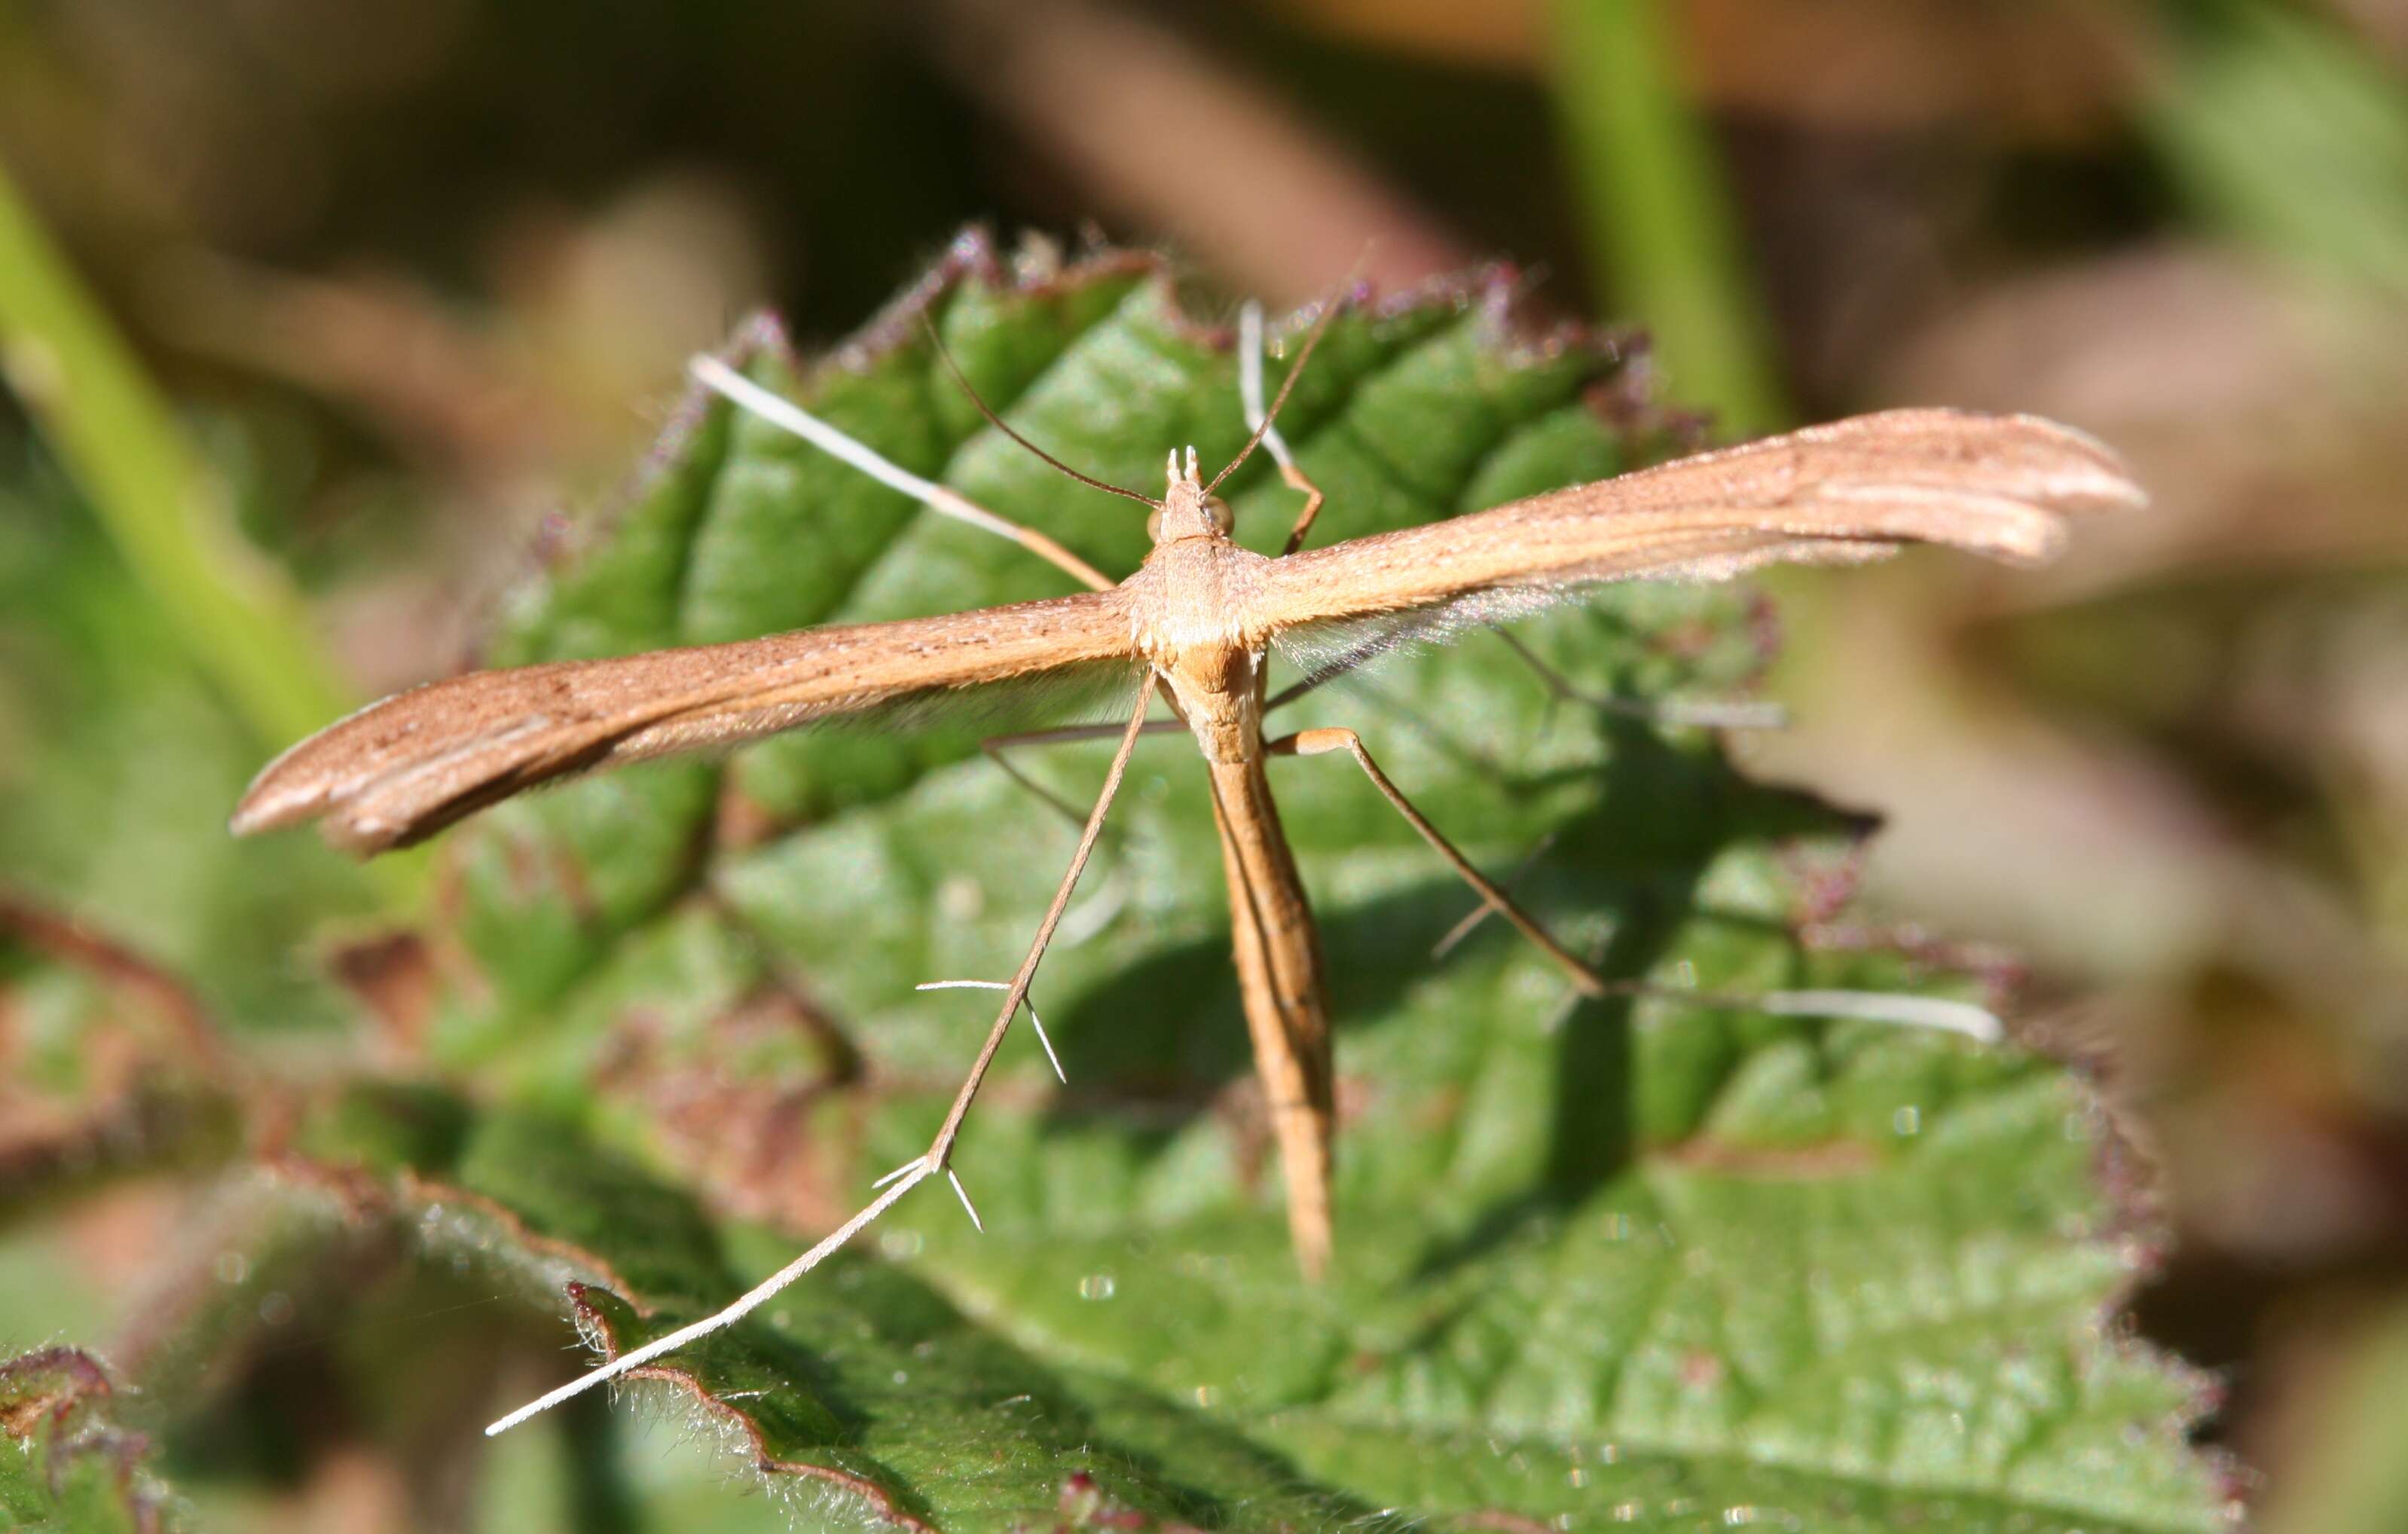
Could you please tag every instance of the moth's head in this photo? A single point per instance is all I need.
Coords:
(1186, 511)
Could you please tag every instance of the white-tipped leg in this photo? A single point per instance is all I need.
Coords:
(1694, 713)
(964, 1194)
(1034, 1021)
(900, 1171)
(1317, 742)
(940, 1149)
(780, 411)
(1250, 382)
(1704, 713)
(1912, 1012)
(1956, 1017)
(910, 1178)
(1037, 1025)
(1250, 396)
(905, 1178)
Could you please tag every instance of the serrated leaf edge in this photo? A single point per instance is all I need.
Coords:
(87, 1385)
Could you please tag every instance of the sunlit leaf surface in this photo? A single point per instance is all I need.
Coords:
(1604, 1264)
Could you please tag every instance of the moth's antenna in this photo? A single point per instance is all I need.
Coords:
(1295, 371)
(1000, 424)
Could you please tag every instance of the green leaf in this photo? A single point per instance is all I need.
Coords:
(67, 1466)
(1647, 1263)
(1601, 1263)
(822, 1398)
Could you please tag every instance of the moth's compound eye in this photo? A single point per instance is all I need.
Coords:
(1154, 526)
(1223, 518)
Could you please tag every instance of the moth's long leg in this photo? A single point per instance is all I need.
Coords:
(904, 1178)
(1710, 713)
(1481, 912)
(940, 1149)
(1876, 1006)
(1702, 714)
(780, 412)
(995, 745)
(1101, 906)
(1321, 742)
(1706, 714)
(1909, 1011)
(1250, 393)
(1312, 499)
(896, 1185)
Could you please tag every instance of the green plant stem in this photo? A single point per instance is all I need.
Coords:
(1657, 212)
(243, 626)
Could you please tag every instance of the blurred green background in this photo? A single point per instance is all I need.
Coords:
(315, 315)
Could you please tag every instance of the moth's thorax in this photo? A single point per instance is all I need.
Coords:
(1190, 611)
(1196, 587)
(1195, 594)
(1191, 615)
